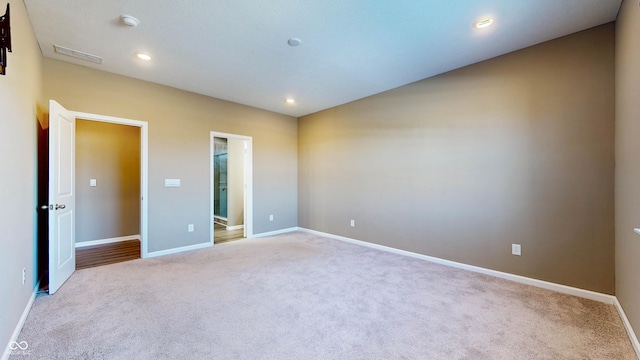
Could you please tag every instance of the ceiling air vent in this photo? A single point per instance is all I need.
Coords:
(77, 54)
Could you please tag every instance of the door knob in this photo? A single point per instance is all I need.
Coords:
(60, 206)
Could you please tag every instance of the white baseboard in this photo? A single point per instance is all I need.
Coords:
(179, 249)
(107, 241)
(587, 294)
(276, 232)
(235, 227)
(627, 326)
(18, 329)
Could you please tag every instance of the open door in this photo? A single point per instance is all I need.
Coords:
(62, 197)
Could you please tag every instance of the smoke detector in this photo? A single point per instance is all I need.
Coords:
(130, 21)
(294, 42)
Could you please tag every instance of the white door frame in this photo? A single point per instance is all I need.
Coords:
(144, 168)
(248, 174)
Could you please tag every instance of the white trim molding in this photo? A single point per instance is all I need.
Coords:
(248, 181)
(16, 332)
(276, 232)
(627, 326)
(144, 168)
(82, 244)
(235, 227)
(587, 294)
(179, 249)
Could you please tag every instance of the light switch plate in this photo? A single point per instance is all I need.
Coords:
(171, 182)
(93, 182)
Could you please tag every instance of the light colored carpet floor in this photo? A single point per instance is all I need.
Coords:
(300, 296)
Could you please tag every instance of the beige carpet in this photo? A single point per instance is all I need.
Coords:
(299, 296)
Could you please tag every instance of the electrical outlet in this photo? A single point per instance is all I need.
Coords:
(353, 223)
(271, 217)
(190, 228)
(516, 249)
(24, 275)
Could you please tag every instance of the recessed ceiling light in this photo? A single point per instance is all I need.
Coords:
(143, 56)
(290, 101)
(483, 23)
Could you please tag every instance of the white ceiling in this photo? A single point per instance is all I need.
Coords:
(237, 50)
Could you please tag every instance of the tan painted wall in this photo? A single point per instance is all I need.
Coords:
(628, 160)
(517, 149)
(235, 167)
(19, 92)
(109, 153)
(179, 131)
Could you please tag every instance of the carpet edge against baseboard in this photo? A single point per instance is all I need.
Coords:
(210, 244)
(178, 249)
(587, 294)
(275, 232)
(20, 324)
(592, 295)
(627, 325)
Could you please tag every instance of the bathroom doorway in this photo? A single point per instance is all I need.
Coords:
(230, 187)
(220, 178)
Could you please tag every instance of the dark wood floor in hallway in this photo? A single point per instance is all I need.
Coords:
(98, 255)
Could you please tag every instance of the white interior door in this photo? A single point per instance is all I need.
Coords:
(62, 197)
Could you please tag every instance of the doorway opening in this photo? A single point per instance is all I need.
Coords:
(220, 179)
(231, 176)
(107, 172)
(141, 165)
(60, 185)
